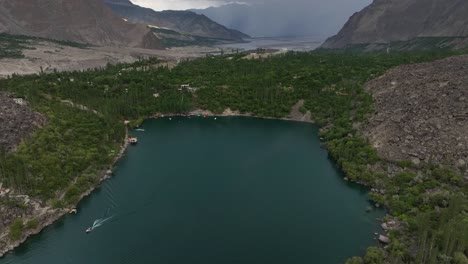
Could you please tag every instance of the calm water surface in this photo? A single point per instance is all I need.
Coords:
(232, 190)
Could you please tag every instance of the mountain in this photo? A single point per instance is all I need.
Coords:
(387, 21)
(84, 21)
(186, 22)
(277, 18)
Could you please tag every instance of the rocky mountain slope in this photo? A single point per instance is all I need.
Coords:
(422, 113)
(387, 21)
(84, 21)
(182, 21)
(17, 121)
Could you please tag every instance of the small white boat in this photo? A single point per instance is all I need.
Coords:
(140, 129)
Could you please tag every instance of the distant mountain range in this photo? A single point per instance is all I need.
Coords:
(84, 21)
(277, 18)
(386, 21)
(185, 22)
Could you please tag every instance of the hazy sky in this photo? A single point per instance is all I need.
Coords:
(271, 17)
(182, 4)
(190, 4)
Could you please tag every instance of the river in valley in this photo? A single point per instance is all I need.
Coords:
(278, 43)
(200, 190)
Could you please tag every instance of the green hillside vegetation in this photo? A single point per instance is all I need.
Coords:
(415, 44)
(68, 153)
(12, 46)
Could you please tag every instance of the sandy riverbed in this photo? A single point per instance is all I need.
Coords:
(52, 56)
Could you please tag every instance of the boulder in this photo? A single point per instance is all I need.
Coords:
(461, 163)
(384, 239)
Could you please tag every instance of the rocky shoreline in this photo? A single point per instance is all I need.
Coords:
(294, 115)
(48, 215)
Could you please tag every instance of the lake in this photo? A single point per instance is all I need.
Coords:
(200, 190)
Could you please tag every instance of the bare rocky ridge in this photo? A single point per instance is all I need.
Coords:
(83, 21)
(421, 113)
(387, 21)
(17, 121)
(186, 22)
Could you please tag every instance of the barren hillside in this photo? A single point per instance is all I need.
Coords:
(17, 121)
(422, 113)
(387, 21)
(84, 21)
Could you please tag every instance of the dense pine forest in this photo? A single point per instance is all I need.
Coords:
(66, 155)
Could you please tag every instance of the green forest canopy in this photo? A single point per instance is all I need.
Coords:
(68, 153)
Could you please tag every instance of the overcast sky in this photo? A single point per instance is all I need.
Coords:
(271, 17)
(196, 4)
(183, 4)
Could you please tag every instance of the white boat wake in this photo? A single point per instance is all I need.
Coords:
(99, 222)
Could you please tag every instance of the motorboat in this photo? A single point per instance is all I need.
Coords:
(132, 140)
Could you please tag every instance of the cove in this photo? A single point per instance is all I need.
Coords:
(200, 190)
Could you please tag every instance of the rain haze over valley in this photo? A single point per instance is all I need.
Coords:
(271, 18)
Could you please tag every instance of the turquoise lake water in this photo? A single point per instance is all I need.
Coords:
(231, 190)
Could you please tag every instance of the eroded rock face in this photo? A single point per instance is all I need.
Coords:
(400, 20)
(186, 22)
(17, 121)
(422, 113)
(84, 21)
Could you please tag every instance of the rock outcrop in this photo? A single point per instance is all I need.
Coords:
(387, 21)
(421, 113)
(83, 21)
(17, 121)
(186, 22)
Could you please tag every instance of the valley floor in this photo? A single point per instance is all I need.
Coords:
(48, 56)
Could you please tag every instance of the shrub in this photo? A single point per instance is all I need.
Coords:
(56, 203)
(355, 260)
(460, 258)
(374, 255)
(16, 229)
(32, 224)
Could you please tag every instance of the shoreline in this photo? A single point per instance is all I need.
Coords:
(51, 215)
(295, 115)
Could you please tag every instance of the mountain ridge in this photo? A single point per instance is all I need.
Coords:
(276, 18)
(386, 21)
(186, 22)
(83, 21)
